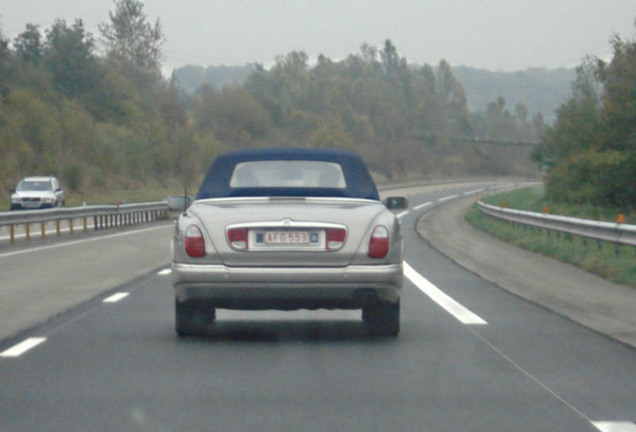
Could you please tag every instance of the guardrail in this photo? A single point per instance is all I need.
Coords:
(617, 233)
(82, 218)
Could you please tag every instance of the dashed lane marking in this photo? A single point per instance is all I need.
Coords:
(606, 426)
(448, 198)
(22, 347)
(116, 297)
(421, 206)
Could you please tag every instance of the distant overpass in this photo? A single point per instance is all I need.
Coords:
(503, 142)
(488, 141)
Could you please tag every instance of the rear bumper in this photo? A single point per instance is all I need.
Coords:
(287, 287)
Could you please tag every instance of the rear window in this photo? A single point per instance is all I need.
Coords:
(287, 173)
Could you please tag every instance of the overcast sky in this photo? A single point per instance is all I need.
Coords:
(491, 34)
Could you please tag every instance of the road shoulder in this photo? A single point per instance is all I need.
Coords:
(569, 291)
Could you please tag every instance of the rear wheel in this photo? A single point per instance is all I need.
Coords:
(382, 318)
(193, 317)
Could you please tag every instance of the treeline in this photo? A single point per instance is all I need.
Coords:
(403, 119)
(102, 116)
(590, 151)
(539, 90)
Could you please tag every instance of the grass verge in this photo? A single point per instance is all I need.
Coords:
(123, 196)
(601, 259)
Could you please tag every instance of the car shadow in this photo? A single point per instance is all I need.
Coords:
(287, 331)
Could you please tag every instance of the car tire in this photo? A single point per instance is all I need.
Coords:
(382, 318)
(193, 318)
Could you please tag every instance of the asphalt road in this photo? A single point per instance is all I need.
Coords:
(471, 357)
(47, 278)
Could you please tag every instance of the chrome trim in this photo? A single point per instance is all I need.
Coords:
(205, 271)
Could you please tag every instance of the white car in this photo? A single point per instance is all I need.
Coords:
(36, 193)
(288, 229)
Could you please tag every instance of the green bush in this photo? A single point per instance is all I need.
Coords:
(598, 178)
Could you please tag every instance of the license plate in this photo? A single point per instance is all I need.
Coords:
(286, 237)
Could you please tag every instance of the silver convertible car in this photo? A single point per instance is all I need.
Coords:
(285, 229)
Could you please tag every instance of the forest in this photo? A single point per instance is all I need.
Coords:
(540, 90)
(97, 112)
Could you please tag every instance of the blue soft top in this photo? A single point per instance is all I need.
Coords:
(359, 182)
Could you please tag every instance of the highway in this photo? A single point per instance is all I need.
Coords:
(471, 356)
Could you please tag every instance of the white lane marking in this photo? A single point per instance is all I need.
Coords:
(164, 272)
(115, 297)
(422, 205)
(606, 426)
(22, 347)
(76, 242)
(474, 192)
(450, 197)
(438, 296)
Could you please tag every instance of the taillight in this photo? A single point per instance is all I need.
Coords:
(237, 238)
(379, 242)
(194, 242)
(335, 237)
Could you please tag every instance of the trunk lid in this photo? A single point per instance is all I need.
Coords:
(287, 232)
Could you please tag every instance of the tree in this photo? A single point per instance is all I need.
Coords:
(590, 152)
(390, 59)
(369, 54)
(68, 54)
(619, 96)
(268, 89)
(331, 135)
(577, 124)
(453, 106)
(502, 125)
(5, 57)
(171, 109)
(233, 114)
(132, 42)
(4, 45)
(28, 45)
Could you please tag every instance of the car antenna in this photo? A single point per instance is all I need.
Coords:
(185, 199)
